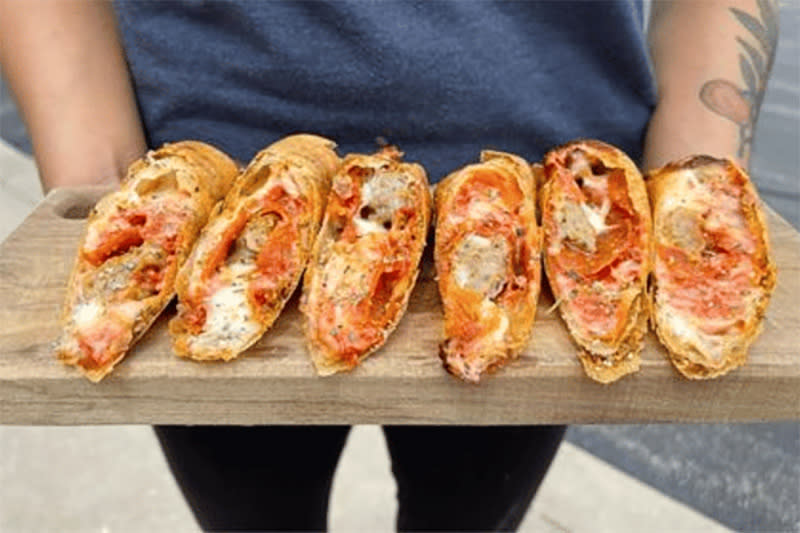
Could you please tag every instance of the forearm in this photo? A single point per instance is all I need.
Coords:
(66, 68)
(712, 61)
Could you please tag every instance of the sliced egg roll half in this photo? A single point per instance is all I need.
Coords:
(597, 238)
(250, 257)
(135, 241)
(366, 258)
(713, 273)
(487, 256)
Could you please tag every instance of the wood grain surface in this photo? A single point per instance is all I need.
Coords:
(403, 383)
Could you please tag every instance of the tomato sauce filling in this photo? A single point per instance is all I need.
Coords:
(708, 287)
(352, 327)
(276, 258)
(713, 284)
(372, 314)
(600, 315)
(221, 252)
(103, 343)
(130, 228)
(488, 185)
(158, 224)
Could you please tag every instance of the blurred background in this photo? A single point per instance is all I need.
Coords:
(665, 477)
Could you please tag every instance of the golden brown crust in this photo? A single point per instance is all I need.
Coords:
(352, 254)
(297, 170)
(145, 229)
(488, 267)
(198, 159)
(695, 354)
(605, 358)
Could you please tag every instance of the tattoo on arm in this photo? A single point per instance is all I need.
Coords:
(741, 105)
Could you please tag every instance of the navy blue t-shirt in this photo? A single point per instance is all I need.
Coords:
(442, 80)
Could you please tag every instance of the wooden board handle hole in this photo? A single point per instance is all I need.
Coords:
(74, 204)
(75, 212)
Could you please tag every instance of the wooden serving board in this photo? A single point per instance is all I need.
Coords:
(403, 383)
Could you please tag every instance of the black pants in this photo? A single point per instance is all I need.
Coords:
(279, 477)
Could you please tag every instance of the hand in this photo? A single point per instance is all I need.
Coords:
(65, 65)
(712, 61)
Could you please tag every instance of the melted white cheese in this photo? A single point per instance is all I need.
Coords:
(597, 183)
(333, 275)
(479, 209)
(86, 314)
(499, 334)
(133, 197)
(229, 321)
(709, 345)
(289, 186)
(685, 192)
(597, 216)
(488, 309)
(365, 227)
(130, 309)
(240, 269)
